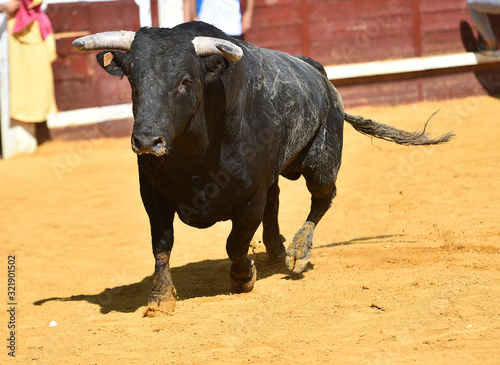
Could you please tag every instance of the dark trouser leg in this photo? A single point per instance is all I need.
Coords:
(42, 133)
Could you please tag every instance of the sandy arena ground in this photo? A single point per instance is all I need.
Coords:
(405, 267)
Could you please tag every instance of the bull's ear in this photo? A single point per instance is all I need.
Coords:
(318, 66)
(112, 62)
(215, 67)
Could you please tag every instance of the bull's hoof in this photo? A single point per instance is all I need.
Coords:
(160, 305)
(244, 284)
(299, 251)
(278, 255)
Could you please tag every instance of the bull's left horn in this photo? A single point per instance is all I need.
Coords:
(207, 46)
(120, 40)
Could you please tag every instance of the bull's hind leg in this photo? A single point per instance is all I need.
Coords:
(299, 251)
(243, 273)
(245, 221)
(271, 236)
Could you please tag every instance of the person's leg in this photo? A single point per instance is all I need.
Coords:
(24, 135)
(42, 133)
(479, 10)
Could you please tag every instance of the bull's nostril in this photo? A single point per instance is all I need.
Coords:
(158, 142)
(155, 145)
(137, 143)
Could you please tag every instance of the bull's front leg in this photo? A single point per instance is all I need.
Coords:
(162, 297)
(161, 217)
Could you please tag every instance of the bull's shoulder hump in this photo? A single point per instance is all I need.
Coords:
(275, 62)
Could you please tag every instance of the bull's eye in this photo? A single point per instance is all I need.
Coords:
(185, 83)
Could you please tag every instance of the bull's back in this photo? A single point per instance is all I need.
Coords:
(295, 98)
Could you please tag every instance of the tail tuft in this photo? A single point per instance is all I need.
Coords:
(388, 133)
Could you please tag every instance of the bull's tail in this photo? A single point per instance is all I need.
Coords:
(388, 133)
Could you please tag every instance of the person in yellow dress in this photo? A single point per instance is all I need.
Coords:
(32, 50)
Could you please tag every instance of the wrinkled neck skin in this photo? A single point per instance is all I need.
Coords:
(191, 144)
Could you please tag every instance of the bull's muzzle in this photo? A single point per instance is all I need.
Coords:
(149, 144)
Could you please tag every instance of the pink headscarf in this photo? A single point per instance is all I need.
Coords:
(26, 16)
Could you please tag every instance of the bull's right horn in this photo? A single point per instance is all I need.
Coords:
(207, 46)
(120, 40)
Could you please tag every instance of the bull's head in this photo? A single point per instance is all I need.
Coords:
(167, 72)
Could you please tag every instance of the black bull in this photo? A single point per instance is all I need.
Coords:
(216, 122)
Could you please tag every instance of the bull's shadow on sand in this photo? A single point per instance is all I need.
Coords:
(206, 278)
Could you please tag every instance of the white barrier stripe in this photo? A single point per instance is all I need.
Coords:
(407, 65)
(89, 115)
